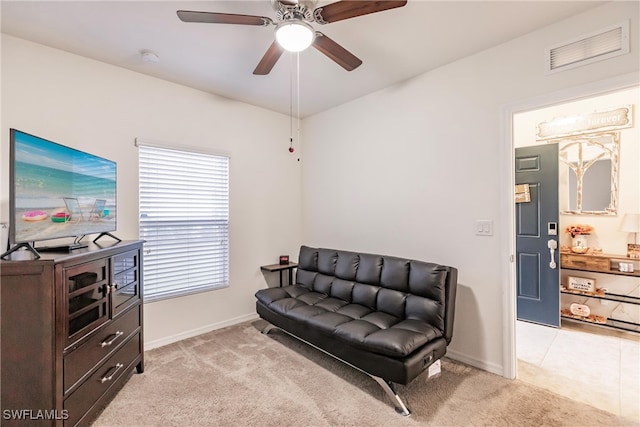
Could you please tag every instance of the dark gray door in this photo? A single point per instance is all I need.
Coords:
(538, 277)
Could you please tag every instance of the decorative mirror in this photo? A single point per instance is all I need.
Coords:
(589, 178)
(589, 150)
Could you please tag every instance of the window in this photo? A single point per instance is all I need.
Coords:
(184, 219)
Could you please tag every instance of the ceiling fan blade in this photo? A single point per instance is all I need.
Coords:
(333, 50)
(351, 8)
(269, 59)
(222, 18)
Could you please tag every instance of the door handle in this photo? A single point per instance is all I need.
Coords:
(552, 245)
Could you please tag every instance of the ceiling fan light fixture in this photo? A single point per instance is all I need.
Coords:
(294, 36)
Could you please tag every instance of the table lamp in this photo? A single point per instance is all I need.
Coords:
(631, 224)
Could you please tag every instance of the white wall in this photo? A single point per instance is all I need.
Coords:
(408, 170)
(101, 109)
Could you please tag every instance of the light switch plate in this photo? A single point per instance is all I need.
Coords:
(484, 227)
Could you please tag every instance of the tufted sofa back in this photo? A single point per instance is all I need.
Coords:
(404, 288)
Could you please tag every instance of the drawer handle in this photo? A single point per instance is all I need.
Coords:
(108, 342)
(110, 377)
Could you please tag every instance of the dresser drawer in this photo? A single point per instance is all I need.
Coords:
(585, 262)
(110, 373)
(81, 360)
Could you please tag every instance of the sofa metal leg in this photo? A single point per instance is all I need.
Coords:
(268, 328)
(389, 388)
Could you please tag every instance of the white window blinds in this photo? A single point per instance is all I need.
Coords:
(184, 219)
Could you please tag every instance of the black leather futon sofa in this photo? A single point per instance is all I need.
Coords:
(386, 316)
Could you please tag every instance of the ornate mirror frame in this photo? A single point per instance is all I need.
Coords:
(589, 155)
(588, 142)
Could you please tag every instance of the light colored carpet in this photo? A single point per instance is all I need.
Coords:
(238, 377)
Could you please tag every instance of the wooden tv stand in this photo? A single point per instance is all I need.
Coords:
(72, 332)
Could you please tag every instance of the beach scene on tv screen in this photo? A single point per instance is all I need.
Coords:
(60, 192)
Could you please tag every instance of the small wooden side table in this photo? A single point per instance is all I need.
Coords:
(280, 268)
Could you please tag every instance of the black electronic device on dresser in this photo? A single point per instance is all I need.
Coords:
(72, 332)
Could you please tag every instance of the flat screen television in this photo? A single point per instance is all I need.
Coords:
(57, 191)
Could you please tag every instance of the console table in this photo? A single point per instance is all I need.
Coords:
(280, 268)
(604, 264)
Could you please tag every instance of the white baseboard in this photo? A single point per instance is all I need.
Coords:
(476, 363)
(148, 345)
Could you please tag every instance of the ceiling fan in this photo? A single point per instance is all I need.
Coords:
(293, 30)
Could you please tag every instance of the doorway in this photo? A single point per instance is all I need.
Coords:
(550, 357)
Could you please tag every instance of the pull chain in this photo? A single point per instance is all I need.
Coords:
(298, 95)
(291, 150)
(297, 71)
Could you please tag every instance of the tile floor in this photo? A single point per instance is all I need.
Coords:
(594, 365)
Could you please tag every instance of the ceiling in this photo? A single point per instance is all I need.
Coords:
(394, 45)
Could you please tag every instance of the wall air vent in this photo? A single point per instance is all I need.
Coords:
(597, 46)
